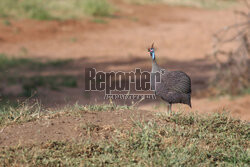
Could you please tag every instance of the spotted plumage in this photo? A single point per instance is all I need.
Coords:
(175, 86)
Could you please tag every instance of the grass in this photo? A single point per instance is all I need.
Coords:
(54, 10)
(20, 112)
(143, 2)
(245, 91)
(97, 8)
(6, 22)
(26, 8)
(30, 84)
(79, 110)
(106, 107)
(54, 82)
(75, 9)
(179, 140)
(7, 63)
(209, 4)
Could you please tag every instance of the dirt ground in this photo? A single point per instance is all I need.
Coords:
(87, 125)
(183, 38)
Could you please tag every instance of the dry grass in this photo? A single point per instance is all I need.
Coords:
(30, 111)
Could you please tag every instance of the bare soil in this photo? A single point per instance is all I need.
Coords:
(87, 125)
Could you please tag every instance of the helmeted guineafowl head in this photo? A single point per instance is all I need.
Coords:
(152, 51)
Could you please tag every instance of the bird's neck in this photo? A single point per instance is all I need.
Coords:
(155, 67)
(154, 61)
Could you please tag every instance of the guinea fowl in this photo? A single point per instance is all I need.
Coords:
(175, 86)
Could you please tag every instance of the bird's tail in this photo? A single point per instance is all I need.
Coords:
(190, 105)
(189, 101)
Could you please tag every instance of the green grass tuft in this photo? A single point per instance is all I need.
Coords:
(7, 62)
(54, 10)
(6, 22)
(54, 82)
(245, 91)
(30, 84)
(19, 113)
(97, 8)
(106, 107)
(35, 9)
(25, 8)
(209, 4)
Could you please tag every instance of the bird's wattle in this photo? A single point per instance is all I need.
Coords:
(153, 55)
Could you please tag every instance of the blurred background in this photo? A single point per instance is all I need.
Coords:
(45, 46)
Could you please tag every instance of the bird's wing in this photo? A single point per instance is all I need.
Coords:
(176, 81)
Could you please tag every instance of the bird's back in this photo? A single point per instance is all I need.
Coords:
(175, 87)
(177, 81)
